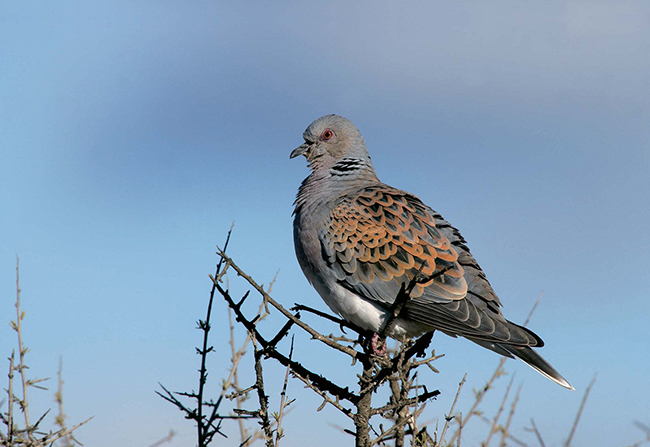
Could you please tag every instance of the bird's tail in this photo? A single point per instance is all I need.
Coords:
(529, 357)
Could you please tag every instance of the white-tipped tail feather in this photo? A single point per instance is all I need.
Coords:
(537, 362)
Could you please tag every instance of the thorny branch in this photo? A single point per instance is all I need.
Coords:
(450, 417)
(582, 406)
(376, 370)
(495, 422)
(267, 299)
(505, 434)
(30, 434)
(398, 369)
(269, 349)
(207, 425)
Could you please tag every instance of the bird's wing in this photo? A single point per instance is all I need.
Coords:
(478, 316)
(380, 237)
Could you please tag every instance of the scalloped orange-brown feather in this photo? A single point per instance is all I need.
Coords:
(383, 235)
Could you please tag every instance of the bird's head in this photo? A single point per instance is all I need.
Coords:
(330, 139)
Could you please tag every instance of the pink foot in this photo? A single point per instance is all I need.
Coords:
(377, 345)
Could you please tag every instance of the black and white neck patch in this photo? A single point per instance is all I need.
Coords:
(347, 166)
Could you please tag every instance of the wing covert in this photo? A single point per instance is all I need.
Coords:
(381, 237)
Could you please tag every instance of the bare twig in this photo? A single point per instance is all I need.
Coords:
(509, 436)
(204, 433)
(284, 402)
(376, 370)
(31, 434)
(263, 399)
(644, 428)
(406, 402)
(495, 423)
(68, 440)
(58, 435)
(326, 399)
(270, 350)
(506, 429)
(164, 440)
(316, 335)
(451, 416)
(339, 321)
(532, 310)
(233, 380)
(479, 397)
(538, 435)
(10, 392)
(207, 424)
(24, 402)
(270, 287)
(582, 406)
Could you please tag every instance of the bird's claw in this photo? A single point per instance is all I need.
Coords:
(378, 345)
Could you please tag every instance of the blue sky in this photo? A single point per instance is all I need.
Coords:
(132, 134)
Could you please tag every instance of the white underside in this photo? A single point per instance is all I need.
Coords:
(364, 313)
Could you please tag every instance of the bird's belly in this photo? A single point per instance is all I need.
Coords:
(365, 313)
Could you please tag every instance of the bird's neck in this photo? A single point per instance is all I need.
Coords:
(328, 184)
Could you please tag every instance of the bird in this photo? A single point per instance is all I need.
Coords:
(359, 241)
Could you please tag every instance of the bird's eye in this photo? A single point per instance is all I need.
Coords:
(326, 135)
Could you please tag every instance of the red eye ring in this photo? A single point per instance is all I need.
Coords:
(327, 134)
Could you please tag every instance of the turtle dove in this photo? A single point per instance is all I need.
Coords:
(358, 240)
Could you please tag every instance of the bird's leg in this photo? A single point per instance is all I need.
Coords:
(373, 344)
(378, 345)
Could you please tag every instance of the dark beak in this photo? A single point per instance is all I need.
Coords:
(300, 150)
